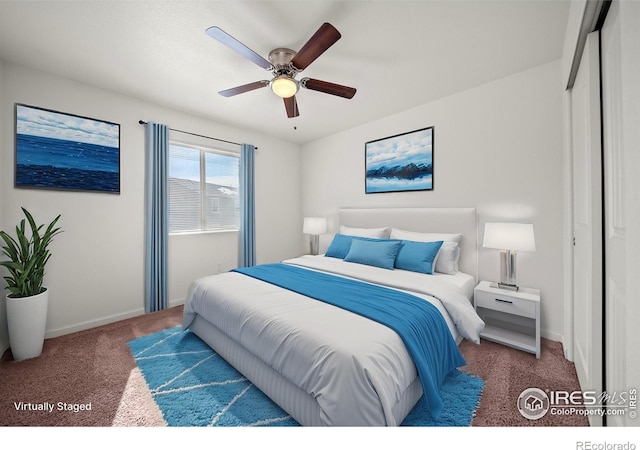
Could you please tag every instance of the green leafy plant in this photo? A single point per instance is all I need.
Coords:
(28, 256)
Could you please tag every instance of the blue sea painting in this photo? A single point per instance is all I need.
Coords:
(400, 163)
(62, 151)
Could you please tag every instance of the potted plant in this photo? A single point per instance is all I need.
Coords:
(28, 299)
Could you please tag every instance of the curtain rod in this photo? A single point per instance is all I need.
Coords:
(142, 122)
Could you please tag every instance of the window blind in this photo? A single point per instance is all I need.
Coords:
(203, 190)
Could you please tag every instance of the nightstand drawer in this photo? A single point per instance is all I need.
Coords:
(505, 304)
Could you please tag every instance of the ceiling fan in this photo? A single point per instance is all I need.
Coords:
(285, 64)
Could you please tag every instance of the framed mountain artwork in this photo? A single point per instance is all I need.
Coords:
(403, 162)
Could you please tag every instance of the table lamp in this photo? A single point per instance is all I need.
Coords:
(314, 226)
(509, 238)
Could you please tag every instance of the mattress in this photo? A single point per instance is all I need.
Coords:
(464, 281)
(323, 365)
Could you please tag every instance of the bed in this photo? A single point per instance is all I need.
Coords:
(325, 365)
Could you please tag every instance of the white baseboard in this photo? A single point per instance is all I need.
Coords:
(176, 302)
(568, 354)
(92, 323)
(558, 338)
(102, 321)
(552, 336)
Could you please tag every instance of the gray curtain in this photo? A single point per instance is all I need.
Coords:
(156, 216)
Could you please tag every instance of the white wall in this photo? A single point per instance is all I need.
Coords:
(497, 147)
(4, 337)
(96, 273)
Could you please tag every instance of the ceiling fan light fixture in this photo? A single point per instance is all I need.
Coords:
(284, 86)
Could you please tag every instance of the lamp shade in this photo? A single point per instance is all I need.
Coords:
(284, 86)
(509, 236)
(314, 225)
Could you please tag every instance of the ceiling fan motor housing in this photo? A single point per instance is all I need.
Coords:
(280, 59)
(283, 83)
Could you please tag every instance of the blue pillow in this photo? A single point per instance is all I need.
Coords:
(379, 253)
(417, 256)
(341, 244)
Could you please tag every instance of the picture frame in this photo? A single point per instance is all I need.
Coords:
(400, 163)
(63, 151)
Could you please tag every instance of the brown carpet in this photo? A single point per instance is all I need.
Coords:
(95, 367)
(507, 372)
(92, 366)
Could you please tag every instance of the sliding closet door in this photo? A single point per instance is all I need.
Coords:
(587, 220)
(620, 100)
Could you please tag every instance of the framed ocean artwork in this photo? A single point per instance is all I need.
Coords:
(403, 162)
(56, 150)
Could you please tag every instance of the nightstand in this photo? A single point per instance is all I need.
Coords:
(511, 317)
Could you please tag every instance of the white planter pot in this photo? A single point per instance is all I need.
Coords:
(27, 322)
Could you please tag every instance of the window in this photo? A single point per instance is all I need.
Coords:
(203, 189)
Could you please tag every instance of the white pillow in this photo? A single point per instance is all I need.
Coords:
(381, 233)
(446, 260)
(397, 233)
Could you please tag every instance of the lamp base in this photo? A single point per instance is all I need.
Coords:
(508, 270)
(510, 287)
(314, 244)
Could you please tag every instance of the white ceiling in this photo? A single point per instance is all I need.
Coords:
(398, 54)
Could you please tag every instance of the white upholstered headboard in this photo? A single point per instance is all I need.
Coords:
(425, 220)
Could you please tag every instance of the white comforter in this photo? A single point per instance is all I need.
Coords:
(355, 368)
(450, 294)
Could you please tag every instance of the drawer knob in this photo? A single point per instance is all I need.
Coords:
(503, 301)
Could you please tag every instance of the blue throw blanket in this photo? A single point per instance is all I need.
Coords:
(420, 325)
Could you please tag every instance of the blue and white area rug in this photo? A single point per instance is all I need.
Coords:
(194, 386)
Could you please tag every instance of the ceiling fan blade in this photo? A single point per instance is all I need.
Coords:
(238, 47)
(328, 88)
(291, 105)
(324, 38)
(244, 88)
